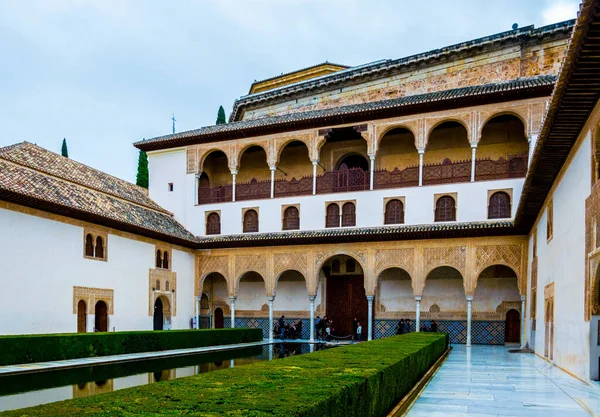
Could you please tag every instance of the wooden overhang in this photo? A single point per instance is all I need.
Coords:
(575, 95)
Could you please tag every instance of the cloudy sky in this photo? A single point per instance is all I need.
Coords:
(106, 73)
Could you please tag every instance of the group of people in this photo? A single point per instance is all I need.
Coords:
(324, 328)
(288, 330)
(405, 326)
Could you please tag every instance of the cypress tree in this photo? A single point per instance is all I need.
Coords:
(64, 151)
(141, 178)
(221, 116)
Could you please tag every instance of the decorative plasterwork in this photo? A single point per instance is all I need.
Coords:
(247, 263)
(394, 258)
(166, 292)
(91, 296)
(359, 255)
(290, 260)
(509, 255)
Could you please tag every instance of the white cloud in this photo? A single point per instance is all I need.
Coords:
(559, 11)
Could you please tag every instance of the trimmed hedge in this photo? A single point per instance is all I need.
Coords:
(366, 379)
(54, 347)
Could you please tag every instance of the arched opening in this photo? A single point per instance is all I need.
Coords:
(165, 264)
(214, 184)
(219, 318)
(444, 293)
(158, 314)
(167, 286)
(89, 245)
(81, 317)
(159, 258)
(99, 252)
(291, 218)
(253, 180)
(157, 285)
(447, 157)
(101, 316)
(394, 212)
(215, 288)
(333, 215)
(445, 209)
(294, 171)
(344, 158)
(513, 327)
(251, 297)
(395, 294)
(497, 292)
(292, 296)
(397, 160)
(499, 206)
(250, 221)
(345, 296)
(213, 224)
(348, 215)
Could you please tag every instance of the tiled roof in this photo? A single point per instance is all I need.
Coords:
(296, 71)
(331, 116)
(387, 67)
(360, 234)
(38, 178)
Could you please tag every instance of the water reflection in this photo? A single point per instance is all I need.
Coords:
(22, 391)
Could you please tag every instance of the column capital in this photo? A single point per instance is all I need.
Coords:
(273, 167)
(473, 146)
(233, 171)
(421, 151)
(315, 162)
(271, 298)
(370, 298)
(469, 298)
(523, 297)
(372, 155)
(312, 298)
(418, 297)
(232, 299)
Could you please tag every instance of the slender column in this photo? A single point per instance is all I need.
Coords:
(232, 363)
(233, 174)
(370, 324)
(311, 298)
(232, 299)
(372, 171)
(273, 168)
(473, 152)
(421, 152)
(315, 163)
(522, 321)
(418, 313)
(198, 312)
(469, 314)
(271, 318)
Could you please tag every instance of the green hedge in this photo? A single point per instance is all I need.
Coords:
(53, 347)
(366, 379)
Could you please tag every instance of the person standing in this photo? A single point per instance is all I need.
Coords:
(358, 330)
(282, 327)
(433, 326)
(354, 327)
(400, 328)
(407, 326)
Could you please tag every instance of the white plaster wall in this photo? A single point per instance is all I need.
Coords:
(448, 294)
(43, 260)
(166, 167)
(419, 207)
(291, 296)
(491, 292)
(561, 261)
(251, 295)
(397, 295)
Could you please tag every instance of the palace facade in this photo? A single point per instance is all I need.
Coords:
(457, 185)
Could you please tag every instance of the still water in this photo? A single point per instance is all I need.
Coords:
(22, 391)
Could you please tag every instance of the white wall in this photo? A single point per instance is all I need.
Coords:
(166, 167)
(561, 261)
(491, 292)
(472, 205)
(43, 259)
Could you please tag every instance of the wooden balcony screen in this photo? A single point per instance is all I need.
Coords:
(408, 177)
(220, 194)
(447, 172)
(253, 190)
(353, 179)
(513, 167)
(288, 188)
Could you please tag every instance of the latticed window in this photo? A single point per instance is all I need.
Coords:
(167, 286)
(99, 252)
(350, 265)
(348, 215)
(333, 216)
(335, 266)
(394, 212)
(445, 209)
(89, 245)
(291, 219)
(499, 207)
(250, 221)
(213, 224)
(157, 285)
(158, 259)
(165, 264)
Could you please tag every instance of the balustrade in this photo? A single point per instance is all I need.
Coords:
(447, 172)
(220, 194)
(408, 177)
(513, 167)
(253, 190)
(288, 188)
(353, 179)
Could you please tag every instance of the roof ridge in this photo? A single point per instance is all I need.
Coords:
(283, 74)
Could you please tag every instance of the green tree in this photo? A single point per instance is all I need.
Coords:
(221, 116)
(142, 173)
(64, 151)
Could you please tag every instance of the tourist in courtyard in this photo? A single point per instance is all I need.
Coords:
(299, 329)
(358, 331)
(407, 328)
(354, 326)
(400, 327)
(434, 327)
(282, 327)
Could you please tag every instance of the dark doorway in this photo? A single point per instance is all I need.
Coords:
(81, 317)
(354, 161)
(218, 318)
(158, 314)
(513, 327)
(101, 317)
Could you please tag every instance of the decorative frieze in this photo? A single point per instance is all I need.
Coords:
(91, 296)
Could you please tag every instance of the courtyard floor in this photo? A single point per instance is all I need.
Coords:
(488, 381)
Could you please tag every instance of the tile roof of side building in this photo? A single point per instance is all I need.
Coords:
(35, 177)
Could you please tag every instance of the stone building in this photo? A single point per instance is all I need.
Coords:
(457, 185)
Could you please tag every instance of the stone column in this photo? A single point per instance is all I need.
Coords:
(271, 318)
(196, 184)
(232, 299)
(418, 313)
(311, 298)
(315, 163)
(198, 311)
(473, 153)
(273, 168)
(370, 324)
(469, 314)
(372, 167)
(232, 363)
(421, 153)
(522, 321)
(233, 174)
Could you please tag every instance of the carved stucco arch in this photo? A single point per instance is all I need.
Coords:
(243, 147)
(251, 263)
(208, 265)
(463, 119)
(359, 256)
(511, 256)
(276, 281)
(378, 276)
(400, 125)
(294, 261)
(239, 279)
(519, 113)
(280, 144)
(205, 153)
(478, 274)
(321, 140)
(434, 257)
(404, 258)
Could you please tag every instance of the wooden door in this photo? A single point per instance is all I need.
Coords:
(158, 314)
(346, 299)
(513, 327)
(101, 317)
(218, 318)
(81, 317)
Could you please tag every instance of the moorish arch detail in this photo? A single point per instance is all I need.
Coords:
(281, 142)
(297, 261)
(247, 263)
(208, 265)
(394, 258)
(509, 255)
(91, 296)
(167, 290)
(359, 255)
(452, 256)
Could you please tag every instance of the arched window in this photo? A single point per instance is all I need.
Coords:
(157, 286)
(165, 264)
(99, 253)
(499, 207)
(167, 286)
(89, 245)
(158, 259)
(213, 224)
(333, 216)
(350, 265)
(394, 212)
(291, 219)
(335, 266)
(348, 215)
(445, 209)
(250, 221)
